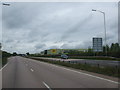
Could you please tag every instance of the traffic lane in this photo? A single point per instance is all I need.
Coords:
(58, 77)
(0, 80)
(8, 74)
(100, 75)
(17, 75)
(96, 62)
(25, 77)
(93, 62)
(51, 78)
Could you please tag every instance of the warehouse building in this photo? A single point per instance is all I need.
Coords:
(60, 51)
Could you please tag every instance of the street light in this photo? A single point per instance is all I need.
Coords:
(6, 4)
(104, 26)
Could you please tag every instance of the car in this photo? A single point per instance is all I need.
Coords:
(64, 56)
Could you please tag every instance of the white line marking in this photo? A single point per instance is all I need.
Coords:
(90, 75)
(31, 69)
(3, 67)
(47, 86)
(82, 73)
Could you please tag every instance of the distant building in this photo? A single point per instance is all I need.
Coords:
(61, 51)
(42, 53)
(54, 51)
(97, 44)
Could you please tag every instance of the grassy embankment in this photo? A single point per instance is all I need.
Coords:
(81, 57)
(4, 61)
(110, 71)
(5, 56)
(96, 58)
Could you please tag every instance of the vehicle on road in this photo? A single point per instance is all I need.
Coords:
(64, 56)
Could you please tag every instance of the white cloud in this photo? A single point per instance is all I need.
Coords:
(37, 26)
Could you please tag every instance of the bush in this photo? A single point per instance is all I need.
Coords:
(5, 55)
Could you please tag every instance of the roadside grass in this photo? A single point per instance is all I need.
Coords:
(83, 57)
(97, 58)
(0, 62)
(4, 56)
(110, 71)
(4, 61)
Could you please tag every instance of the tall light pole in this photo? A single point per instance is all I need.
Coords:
(104, 28)
(6, 4)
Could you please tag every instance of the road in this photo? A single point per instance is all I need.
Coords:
(27, 73)
(110, 63)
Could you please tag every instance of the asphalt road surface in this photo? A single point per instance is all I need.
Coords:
(110, 63)
(27, 73)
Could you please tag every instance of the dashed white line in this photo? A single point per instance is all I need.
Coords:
(31, 69)
(89, 75)
(84, 73)
(47, 86)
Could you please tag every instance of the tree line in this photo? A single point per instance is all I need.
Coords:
(4, 55)
(113, 50)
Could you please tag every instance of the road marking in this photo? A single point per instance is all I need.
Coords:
(90, 75)
(31, 69)
(47, 86)
(3, 67)
(82, 73)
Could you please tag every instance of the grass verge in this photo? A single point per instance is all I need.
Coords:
(110, 71)
(97, 58)
(83, 57)
(4, 61)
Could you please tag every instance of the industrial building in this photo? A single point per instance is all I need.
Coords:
(60, 51)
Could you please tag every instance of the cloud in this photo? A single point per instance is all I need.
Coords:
(35, 27)
(40, 46)
(66, 46)
(54, 47)
(77, 27)
(77, 45)
(18, 15)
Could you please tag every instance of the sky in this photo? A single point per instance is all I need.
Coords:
(37, 26)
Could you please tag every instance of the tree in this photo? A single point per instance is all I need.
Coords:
(0, 46)
(28, 53)
(114, 50)
(14, 54)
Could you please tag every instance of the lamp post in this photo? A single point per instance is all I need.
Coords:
(104, 28)
(5, 4)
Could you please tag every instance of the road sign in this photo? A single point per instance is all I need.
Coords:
(97, 45)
